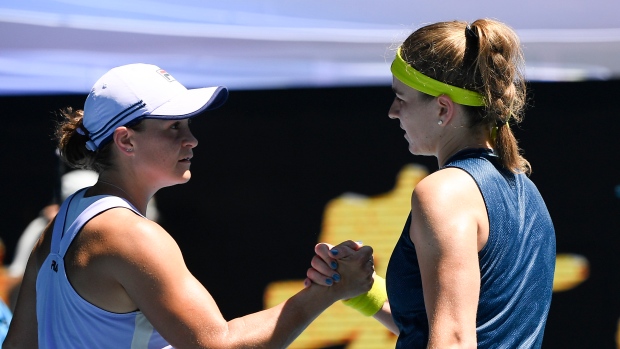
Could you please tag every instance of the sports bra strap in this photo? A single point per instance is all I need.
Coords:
(60, 241)
(59, 221)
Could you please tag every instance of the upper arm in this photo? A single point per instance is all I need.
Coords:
(448, 223)
(23, 331)
(147, 264)
(23, 328)
(183, 311)
(150, 267)
(138, 264)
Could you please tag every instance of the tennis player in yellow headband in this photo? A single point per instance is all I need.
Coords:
(474, 264)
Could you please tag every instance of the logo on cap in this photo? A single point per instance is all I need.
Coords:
(166, 75)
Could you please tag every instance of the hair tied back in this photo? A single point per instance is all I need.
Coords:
(82, 130)
(470, 32)
(471, 46)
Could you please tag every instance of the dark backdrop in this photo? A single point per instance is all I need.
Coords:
(269, 161)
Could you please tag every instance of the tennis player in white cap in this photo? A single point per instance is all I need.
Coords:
(103, 275)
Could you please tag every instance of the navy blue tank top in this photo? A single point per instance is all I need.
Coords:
(516, 264)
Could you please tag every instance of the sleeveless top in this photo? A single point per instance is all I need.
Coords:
(65, 319)
(516, 264)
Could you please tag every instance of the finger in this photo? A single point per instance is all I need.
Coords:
(320, 266)
(354, 245)
(319, 278)
(322, 250)
(365, 255)
(365, 252)
(362, 259)
(344, 250)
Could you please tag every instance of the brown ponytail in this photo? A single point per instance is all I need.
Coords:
(72, 143)
(484, 57)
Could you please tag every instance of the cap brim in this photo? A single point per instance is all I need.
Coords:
(192, 102)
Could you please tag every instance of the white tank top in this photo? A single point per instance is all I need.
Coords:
(65, 319)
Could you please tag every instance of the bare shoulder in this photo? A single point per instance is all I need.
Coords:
(445, 188)
(445, 205)
(121, 227)
(134, 259)
(127, 244)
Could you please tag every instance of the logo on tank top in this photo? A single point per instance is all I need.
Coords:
(54, 266)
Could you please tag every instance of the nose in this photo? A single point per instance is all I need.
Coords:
(190, 140)
(394, 110)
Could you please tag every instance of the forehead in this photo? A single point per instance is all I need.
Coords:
(154, 121)
(401, 89)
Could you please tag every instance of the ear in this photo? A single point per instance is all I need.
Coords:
(123, 139)
(447, 109)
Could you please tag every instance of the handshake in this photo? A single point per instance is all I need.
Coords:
(349, 268)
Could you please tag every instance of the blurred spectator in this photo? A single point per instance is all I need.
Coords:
(5, 313)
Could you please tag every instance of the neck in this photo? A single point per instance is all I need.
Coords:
(458, 135)
(118, 188)
(447, 152)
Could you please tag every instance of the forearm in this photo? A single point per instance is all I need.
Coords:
(384, 316)
(279, 326)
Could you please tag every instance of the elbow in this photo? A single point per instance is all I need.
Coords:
(467, 341)
(454, 345)
(453, 341)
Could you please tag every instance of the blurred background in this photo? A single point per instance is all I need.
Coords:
(306, 129)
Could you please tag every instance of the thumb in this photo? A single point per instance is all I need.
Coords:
(322, 250)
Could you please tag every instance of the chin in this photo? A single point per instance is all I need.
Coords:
(182, 179)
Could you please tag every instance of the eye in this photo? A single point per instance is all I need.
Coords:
(175, 125)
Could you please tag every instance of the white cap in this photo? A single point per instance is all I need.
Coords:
(136, 91)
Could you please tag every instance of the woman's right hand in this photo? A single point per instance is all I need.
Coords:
(348, 267)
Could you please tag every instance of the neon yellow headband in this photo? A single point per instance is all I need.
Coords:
(418, 81)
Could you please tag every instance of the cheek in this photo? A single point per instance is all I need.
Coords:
(158, 151)
(409, 123)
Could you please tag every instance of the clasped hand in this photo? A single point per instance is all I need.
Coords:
(348, 266)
